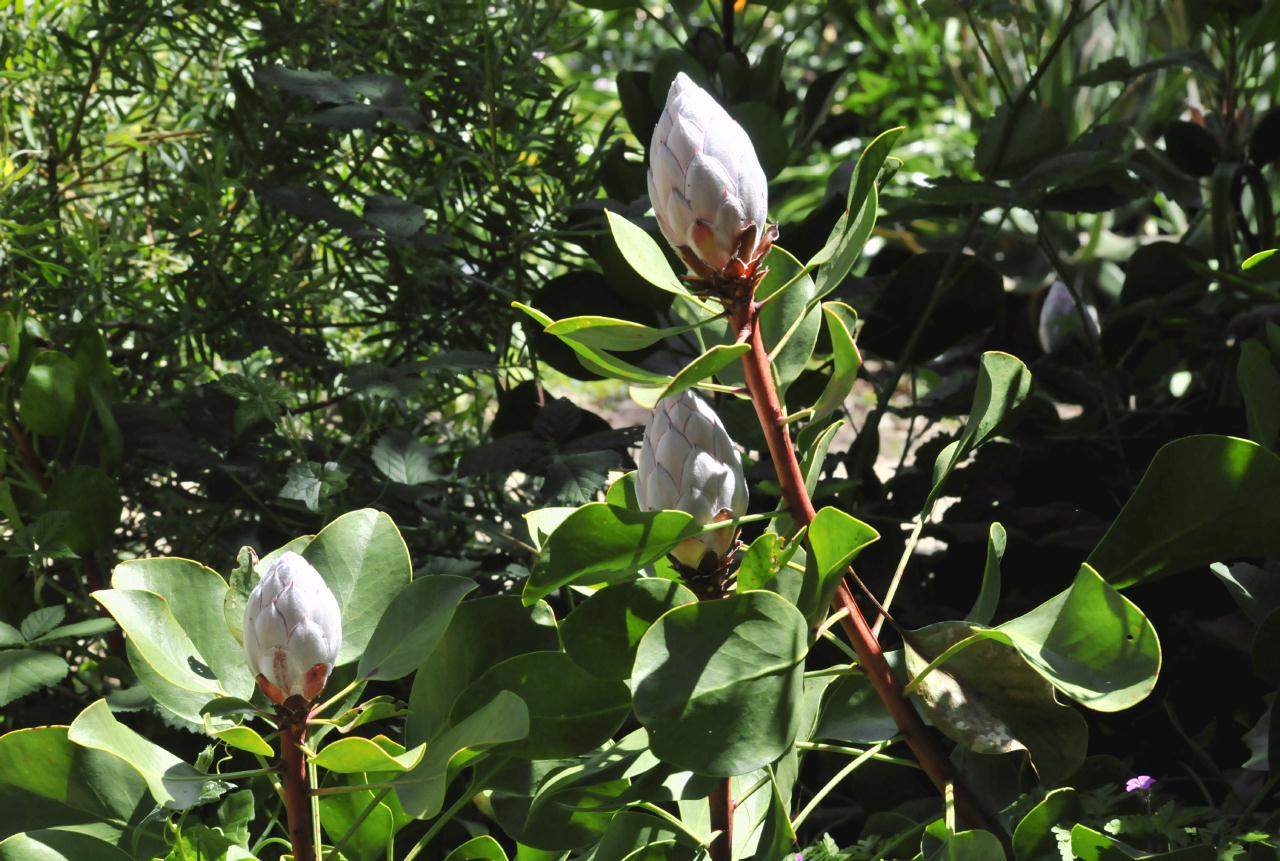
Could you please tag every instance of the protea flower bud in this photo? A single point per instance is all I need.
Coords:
(292, 630)
(1060, 320)
(689, 463)
(706, 185)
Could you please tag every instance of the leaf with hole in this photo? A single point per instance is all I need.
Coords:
(1203, 499)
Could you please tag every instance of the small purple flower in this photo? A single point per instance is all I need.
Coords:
(1141, 783)
(799, 856)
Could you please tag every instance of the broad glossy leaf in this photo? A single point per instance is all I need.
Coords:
(421, 790)
(634, 835)
(777, 837)
(599, 541)
(482, 848)
(984, 607)
(841, 320)
(355, 754)
(1034, 839)
(244, 738)
(988, 699)
(967, 846)
(73, 786)
(75, 630)
(172, 783)
(852, 712)
(645, 256)
(764, 566)
(576, 819)
(848, 239)
(610, 333)
(570, 711)
(338, 813)
(599, 361)
(702, 712)
(1203, 499)
(411, 626)
(629, 757)
(1003, 383)
(1091, 643)
(482, 632)
(363, 559)
(602, 633)
(836, 539)
(711, 362)
(167, 662)
(24, 671)
(189, 590)
(55, 844)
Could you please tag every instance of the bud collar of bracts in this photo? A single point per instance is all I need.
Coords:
(689, 463)
(709, 193)
(292, 632)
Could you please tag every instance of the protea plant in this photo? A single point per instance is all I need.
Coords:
(689, 463)
(708, 191)
(292, 630)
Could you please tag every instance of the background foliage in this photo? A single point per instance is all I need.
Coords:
(258, 263)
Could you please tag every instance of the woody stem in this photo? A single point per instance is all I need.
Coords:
(293, 779)
(758, 372)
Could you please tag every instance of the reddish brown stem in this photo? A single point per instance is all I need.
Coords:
(293, 778)
(721, 801)
(764, 395)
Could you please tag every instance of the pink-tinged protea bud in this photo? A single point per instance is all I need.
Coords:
(1060, 322)
(292, 630)
(706, 185)
(688, 463)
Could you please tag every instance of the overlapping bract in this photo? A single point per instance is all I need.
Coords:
(705, 182)
(292, 630)
(688, 463)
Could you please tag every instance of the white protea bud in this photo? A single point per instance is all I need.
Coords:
(292, 630)
(1060, 321)
(688, 463)
(705, 182)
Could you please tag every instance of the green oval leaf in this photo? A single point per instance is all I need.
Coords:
(355, 754)
(363, 559)
(602, 633)
(172, 783)
(1203, 499)
(411, 626)
(599, 541)
(702, 712)
(421, 790)
(1091, 643)
(570, 710)
(644, 255)
(244, 738)
(483, 632)
(55, 844)
(836, 539)
(711, 362)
